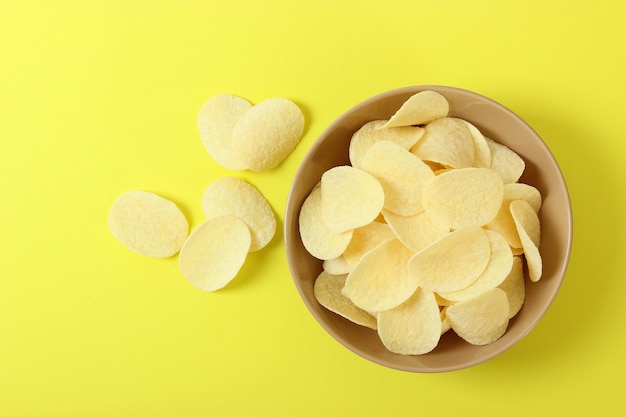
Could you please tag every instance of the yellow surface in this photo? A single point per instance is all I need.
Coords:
(99, 97)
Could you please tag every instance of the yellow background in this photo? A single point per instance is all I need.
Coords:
(99, 97)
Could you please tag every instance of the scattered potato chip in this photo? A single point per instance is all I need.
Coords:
(514, 287)
(327, 290)
(366, 238)
(498, 268)
(370, 133)
(148, 224)
(482, 152)
(505, 162)
(267, 133)
(216, 120)
(412, 328)
(316, 236)
(416, 232)
(480, 320)
(420, 108)
(446, 141)
(351, 198)
(337, 266)
(401, 174)
(528, 227)
(464, 197)
(214, 252)
(380, 280)
(230, 195)
(453, 262)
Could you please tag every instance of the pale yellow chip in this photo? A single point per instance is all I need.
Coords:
(480, 320)
(529, 230)
(416, 232)
(327, 290)
(234, 196)
(371, 133)
(216, 120)
(148, 224)
(337, 266)
(412, 328)
(317, 238)
(445, 324)
(505, 161)
(464, 197)
(366, 238)
(482, 152)
(401, 174)
(498, 268)
(351, 198)
(265, 135)
(503, 221)
(446, 141)
(380, 280)
(420, 108)
(214, 252)
(514, 287)
(452, 262)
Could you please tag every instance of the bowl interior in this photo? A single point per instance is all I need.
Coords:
(542, 171)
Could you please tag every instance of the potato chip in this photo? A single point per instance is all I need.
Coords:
(216, 120)
(370, 133)
(452, 262)
(445, 324)
(529, 229)
(412, 328)
(351, 198)
(316, 236)
(380, 280)
(327, 291)
(148, 224)
(416, 232)
(480, 320)
(214, 252)
(505, 162)
(446, 141)
(366, 238)
(464, 197)
(230, 195)
(420, 108)
(498, 268)
(401, 174)
(337, 266)
(267, 133)
(514, 287)
(482, 152)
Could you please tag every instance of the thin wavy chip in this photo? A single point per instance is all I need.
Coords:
(446, 141)
(420, 108)
(529, 230)
(366, 238)
(482, 152)
(416, 232)
(337, 266)
(505, 161)
(514, 286)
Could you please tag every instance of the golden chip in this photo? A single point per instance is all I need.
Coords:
(351, 198)
(401, 174)
(416, 232)
(412, 328)
(216, 120)
(498, 268)
(514, 287)
(505, 162)
(327, 291)
(464, 197)
(234, 196)
(529, 230)
(482, 152)
(370, 133)
(446, 141)
(316, 236)
(148, 224)
(267, 133)
(214, 252)
(480, 320)
(380, 280)
(420, 108)
(452, 262)
(337, 266)
(366, 238)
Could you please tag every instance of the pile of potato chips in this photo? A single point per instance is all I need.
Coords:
(427, 230)
(239, 220)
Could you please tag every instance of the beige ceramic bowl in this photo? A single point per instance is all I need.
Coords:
(542, 171)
